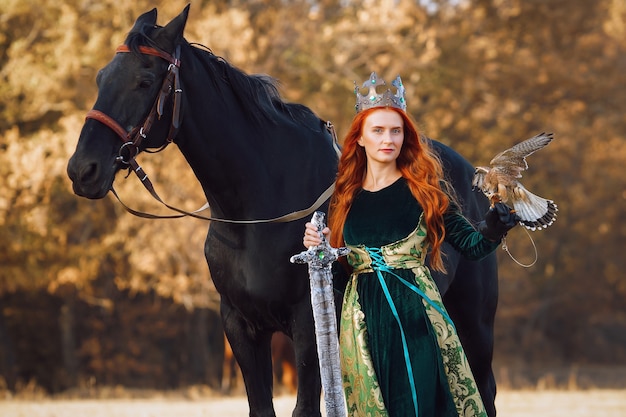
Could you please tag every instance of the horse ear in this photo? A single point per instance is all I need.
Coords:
(173, 31)
(146, 19)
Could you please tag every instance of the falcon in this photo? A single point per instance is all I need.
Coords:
(500, 183)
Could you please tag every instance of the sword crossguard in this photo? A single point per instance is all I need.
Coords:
(322, 255)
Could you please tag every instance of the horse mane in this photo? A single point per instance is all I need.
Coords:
(257, 93)
(135, 39)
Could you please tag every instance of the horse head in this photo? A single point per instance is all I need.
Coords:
(136, 108)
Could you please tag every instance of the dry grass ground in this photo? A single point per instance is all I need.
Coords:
(605, 403)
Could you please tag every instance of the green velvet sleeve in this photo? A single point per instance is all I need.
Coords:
(465, 238)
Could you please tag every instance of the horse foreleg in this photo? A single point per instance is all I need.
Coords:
(305, 349)
(231, 375)
(253, 354)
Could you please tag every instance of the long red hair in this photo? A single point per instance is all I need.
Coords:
(417, 163)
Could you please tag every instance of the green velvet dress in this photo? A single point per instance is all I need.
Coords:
(400, 353)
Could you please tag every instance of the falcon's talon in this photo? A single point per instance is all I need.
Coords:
(495, 198)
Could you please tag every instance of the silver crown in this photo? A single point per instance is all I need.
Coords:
(373, 99)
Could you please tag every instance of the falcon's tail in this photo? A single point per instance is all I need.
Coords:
(535, 212)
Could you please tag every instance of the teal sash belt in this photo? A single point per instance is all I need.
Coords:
(379, 265)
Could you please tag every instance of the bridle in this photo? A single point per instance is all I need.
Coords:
(132, 141)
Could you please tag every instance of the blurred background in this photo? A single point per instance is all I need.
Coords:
(93, 297)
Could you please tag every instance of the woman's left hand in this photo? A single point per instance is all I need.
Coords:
(498, 221)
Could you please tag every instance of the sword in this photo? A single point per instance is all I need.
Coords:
(320, 259)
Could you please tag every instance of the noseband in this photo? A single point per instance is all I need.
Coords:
(132, 140)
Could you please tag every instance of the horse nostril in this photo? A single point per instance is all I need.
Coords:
(87, 172)
(83, 173)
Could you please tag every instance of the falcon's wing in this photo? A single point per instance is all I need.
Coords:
(513, 160)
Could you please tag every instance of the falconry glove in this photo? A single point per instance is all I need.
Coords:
(498, 221)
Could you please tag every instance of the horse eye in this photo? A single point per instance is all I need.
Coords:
(145, 83)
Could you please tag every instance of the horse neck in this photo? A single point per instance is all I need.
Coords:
(223, 170)
(245, 170)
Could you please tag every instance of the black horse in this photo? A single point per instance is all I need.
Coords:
(256, 157)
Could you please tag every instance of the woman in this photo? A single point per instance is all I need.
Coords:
(400, 353)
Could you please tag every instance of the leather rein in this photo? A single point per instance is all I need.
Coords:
(132, 141)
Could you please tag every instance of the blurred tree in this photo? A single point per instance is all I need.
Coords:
(480, 75)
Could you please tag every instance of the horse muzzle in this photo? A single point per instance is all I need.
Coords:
(90, 179)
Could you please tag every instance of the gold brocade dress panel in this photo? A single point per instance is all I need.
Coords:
(401, 261)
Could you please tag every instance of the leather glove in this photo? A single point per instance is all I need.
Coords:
(498, 221)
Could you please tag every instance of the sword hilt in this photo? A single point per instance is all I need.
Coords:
(322, 254)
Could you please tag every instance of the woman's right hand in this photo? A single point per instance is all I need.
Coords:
(312, 237)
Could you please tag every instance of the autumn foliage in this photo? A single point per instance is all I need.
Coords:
(89, 292)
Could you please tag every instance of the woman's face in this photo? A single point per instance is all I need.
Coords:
(382, 136)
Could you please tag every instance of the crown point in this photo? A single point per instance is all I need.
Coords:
(376, 99)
